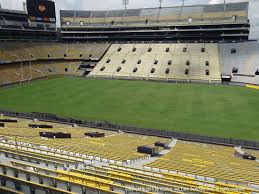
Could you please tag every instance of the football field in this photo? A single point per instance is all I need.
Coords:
(224, 111)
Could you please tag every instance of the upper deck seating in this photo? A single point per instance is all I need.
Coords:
(182, 15)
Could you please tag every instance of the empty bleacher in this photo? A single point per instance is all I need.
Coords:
(12, 73)
(17, 52)
(32, 164)
(29, 60)
(217, 162)
(161, 62)
(112, 179)
(244, 58)
(100, 148)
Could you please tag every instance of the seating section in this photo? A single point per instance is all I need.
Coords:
(212, 161)
(114, 179)
(244, 58)
(188, 62)
(31, 164)
(32, 181)
(22, 61)
(12, 73)
(16, 52)
(100, 148)
(202, 14)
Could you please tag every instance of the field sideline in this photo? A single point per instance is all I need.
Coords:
(224, 111)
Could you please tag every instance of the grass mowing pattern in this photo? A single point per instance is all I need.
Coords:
(222, 111)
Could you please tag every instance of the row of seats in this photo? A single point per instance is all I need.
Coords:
(161, 61)
(174, 180)
(108, 179)
(181, 15)
(212, 161)
(16, 52)
(11, 73)
(32, 180)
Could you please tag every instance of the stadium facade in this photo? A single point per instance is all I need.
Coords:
(202, 23)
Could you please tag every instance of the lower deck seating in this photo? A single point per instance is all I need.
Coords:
(29, 51)
(10, 73)
(189, 62)
(101, 148)
(31, 164)
(209, 161)
(106, 179)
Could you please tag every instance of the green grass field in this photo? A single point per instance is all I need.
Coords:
(201, 109)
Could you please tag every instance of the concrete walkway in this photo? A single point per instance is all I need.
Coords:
(142, 163)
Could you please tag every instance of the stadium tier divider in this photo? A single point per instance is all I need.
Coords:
(129, 129)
